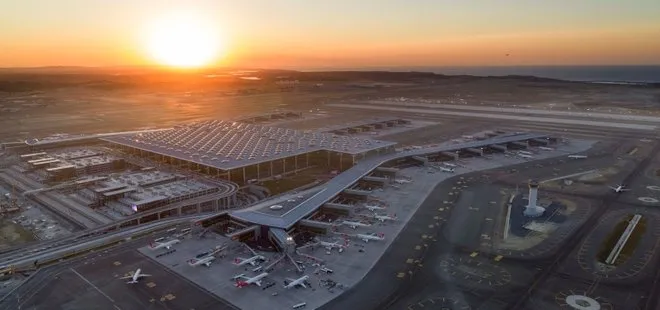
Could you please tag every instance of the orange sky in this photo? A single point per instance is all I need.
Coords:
(279, 34)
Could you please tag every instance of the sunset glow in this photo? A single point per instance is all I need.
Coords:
(184, 41)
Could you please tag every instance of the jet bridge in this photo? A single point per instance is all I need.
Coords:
(543, 142)
(375, 179)
(244, 234)
(388, 171)
(519, 144)
(421, 159)
(498, 147)
(453, 155)
(315, 226)
(476, 151)
(357, 192)
(339, 208)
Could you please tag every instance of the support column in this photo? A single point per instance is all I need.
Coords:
(244, 178)
(284, 166)
(258, 175)
(341, 164)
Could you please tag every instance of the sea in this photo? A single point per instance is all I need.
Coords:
(596, 74)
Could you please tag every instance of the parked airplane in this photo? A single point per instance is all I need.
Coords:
(331, 245)
(243, 281)
(374, 207)
(384, 218)
(135, 276)
(402, 181)
(449, 165)
(168, 244)
(291, 283)
(449, 170)
(546, 148)
(619, 189)
(206, 261)
(371, 236)
(525, 156)
(238, 261)
(355, 225)
(525, 152)
(577, 156)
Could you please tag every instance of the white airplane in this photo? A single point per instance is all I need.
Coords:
(384, 218)
(373, 207)
(168, 244)
(206, 261)
(525, 156)
(449, 165)
(243, 281)
(402, 181)
(355, 225)
(577, 156)
(135, 276)
(331, 245)
(372, 236)
(525, 152)
(296, 282)
(619, 189)
(252, 260)
(546, 148)
(450, 170)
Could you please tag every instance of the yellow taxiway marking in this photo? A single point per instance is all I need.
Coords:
(117, 263)
(417, 247)
(400, 274)
(410, 261)
(498, 258)
(474, 254)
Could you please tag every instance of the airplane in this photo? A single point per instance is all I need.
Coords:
(296, 282)
(206, 261)
(373, 208)
(449, 165)
(525, 155)
(619, 189)
(546, 148)
(372, 236)
(168, 244)
(525, 152)
(252, 260)
(135, 276)
(243, 281)
(577, 156)
(330, 245)
(354, 225)
(402, 181)
(450, 170)
(384, 218)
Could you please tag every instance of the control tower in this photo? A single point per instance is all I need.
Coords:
(533, 210)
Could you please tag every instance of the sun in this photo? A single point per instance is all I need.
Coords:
(184, 40)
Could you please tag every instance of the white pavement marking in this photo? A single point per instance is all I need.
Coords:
(94, 286)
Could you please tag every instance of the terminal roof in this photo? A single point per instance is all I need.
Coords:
(228, 145)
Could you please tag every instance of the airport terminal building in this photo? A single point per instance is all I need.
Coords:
(239, 152)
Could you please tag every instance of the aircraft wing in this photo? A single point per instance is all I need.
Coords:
(145, 275)
(124, 278)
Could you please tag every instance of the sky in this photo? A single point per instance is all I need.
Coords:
(341, 33)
